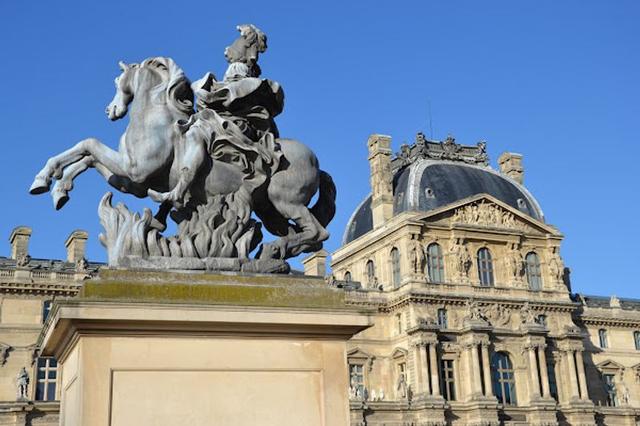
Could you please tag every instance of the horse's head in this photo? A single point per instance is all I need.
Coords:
(117, 108)
(158, 77)
(247, 47)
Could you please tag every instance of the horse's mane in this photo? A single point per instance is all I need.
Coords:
(177, 87)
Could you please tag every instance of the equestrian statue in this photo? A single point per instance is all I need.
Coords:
(212, 165)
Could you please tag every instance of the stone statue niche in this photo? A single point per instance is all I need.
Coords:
(216, 165)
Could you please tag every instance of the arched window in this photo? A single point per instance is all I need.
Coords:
(636, 339)
(534, 276)
(395, 267)
(485, 267)
(504, 382)
(602, 337)
(347, 276)
(371, 271)
(435, 263)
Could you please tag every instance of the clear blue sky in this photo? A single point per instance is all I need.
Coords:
(555, 81)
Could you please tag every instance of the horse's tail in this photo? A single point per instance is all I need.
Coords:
(325, 208)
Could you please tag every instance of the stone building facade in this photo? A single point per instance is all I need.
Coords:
(28, 287)
(476, 322)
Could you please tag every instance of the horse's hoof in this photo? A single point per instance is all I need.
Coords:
(60, 199)
(40, 185)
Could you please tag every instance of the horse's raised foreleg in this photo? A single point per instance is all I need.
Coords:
(54, 168)
(60, 192)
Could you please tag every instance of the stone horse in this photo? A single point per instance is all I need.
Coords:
(158, 97)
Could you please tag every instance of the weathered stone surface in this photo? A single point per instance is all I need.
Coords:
(211, 162)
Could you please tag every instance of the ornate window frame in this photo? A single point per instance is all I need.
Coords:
(396, 267)
(486, 267)
(436, 270)
(533, 271)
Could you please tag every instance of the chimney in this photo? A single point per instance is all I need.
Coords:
(316, 263)
(75, 245)
(381, 178)
(511, 165)
(19, 241)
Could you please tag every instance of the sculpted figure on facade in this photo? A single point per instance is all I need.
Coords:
(528, 315)
(22, 382)
(417, 258)
(498, 315)
(211, 164)
(514, 262)
(404, 155)
(556, 267)
(401, 387)
(473, 312)
(460, 259)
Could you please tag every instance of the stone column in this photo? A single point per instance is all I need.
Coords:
(584, 392)
(417, 362)
(533, 376)
(475, 370)
(435, 380)
(573, 379)
(544, 372)
(488, 386)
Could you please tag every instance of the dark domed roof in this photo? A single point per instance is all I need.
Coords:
(426, 184)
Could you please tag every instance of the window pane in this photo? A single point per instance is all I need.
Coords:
(395, 267)
(485, 267)
(39, 391)
(51, 392)
(435, 263)
(534, 276)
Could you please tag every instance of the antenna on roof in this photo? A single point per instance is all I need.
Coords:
(430, 120)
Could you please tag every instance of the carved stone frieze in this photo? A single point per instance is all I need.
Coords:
(487, 214)
(498, 315)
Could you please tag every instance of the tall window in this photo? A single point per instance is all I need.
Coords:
(636, 339)
(347, 276)
(448, 381)
(504, 383)
(435, 263)
(442, 318)
(371, 270)
(602, 337)
(485, 267)
(610, 388)
(46, 309)
(46, 376)
(534, 276)
(356, 379)
(395, 267)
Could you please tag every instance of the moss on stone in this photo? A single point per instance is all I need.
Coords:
(170, 287)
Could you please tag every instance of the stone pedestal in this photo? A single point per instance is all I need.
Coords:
(201, 349)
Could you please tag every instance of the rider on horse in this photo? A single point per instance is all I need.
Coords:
(235, 120)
